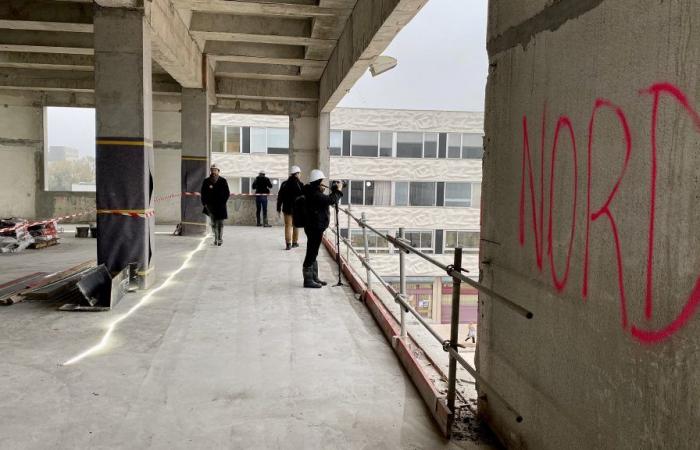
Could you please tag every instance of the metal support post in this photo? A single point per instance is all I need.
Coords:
(347, 246)
(366, 242)
(454, 337)
(402, 283)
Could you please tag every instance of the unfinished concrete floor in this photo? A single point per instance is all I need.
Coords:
(232, 353)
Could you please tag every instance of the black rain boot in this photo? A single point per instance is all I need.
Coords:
(315, 266)
(289, 246)
(295, 245)
(309, 278)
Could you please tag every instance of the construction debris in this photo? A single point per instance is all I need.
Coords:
(14, 236)
(41, 284)
(43, 234)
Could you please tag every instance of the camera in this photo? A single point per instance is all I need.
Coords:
(338, 184)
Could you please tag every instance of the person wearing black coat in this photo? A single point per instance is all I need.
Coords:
(215, 194)
(317, 219)
(262, 186)
(289, 191)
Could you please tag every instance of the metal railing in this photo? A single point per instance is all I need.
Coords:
(455, 271)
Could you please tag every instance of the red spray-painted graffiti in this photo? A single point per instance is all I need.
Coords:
(657, 91)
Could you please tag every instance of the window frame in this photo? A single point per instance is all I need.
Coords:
(450, 250)
(468, 199)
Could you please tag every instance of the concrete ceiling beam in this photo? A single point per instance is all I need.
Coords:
(243, 88)
(172, 45)
(46, 42)
(231, 23)
(70, 81)
(219, 49)
(45, 26)
(256, 8)
(46, 11)
(369, 31)
(52, 61)
(267, 107)
(257, 69)
(270, 60)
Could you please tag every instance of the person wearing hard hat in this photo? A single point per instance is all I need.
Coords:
(316, 220)
(214, 195)
(262, 186)
(289, 191)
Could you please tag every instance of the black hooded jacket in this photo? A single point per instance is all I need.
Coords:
(317, 206)
(289, 191)
(262, 185)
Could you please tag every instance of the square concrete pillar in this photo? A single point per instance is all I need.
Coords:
(309, 141)
(124, 151)
(196, 155)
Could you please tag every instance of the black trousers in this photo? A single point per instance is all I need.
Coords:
(313, 243)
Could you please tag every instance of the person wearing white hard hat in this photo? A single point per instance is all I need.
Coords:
(289, 191)
(214, 195)
(262, 186)
(316, 220)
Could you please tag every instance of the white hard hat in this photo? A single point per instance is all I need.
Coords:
(262, 171)
(316, 175)
(214, 167)
(294, 169)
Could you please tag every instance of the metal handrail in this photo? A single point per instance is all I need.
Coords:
(455, 272)
(449, 269)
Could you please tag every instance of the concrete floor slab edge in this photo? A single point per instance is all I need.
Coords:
(402, 348)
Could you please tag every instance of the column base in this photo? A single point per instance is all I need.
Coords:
(193, 229)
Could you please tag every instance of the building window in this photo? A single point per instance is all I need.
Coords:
(458, 194)
(382, 193)
(409, 145)
(430, 145)
(472, 146)
(369, 192)
(233, 139)
(401, 193)
(69, 150)
(278, 141)
(218, 138)
(336, 143)
(468, 240)
(386, 144)
(376, 244)
(365, 143)
(422, 240)
(422, 193)
(258, 140)
(454, 145)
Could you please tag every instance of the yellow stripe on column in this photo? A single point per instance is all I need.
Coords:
(125, 143)
(194, 158)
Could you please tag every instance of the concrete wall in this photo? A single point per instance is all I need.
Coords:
(21, 142)
(611, 357)
(22, 158)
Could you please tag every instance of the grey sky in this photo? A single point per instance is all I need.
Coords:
(442, 62)
(72, 127)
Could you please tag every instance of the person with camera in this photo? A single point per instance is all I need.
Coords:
(317, 219)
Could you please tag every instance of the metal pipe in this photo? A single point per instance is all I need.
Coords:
(402, 283)
(366, 243)
(347, 250)
(484, 384)
(454, 337)
(478, 286)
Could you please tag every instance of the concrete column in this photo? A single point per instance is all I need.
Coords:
(195, 158)
(303, 144)
(124, 153)
(324, 139)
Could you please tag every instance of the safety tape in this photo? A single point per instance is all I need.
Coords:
(124, 143)
(123, 212)
(129, 212)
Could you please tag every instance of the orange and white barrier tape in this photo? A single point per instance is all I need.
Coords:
(42, 222)
(128, 212)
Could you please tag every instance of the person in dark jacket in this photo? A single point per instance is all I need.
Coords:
(317, 219)
(290, 190)
(262, 186)
(215, 194)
